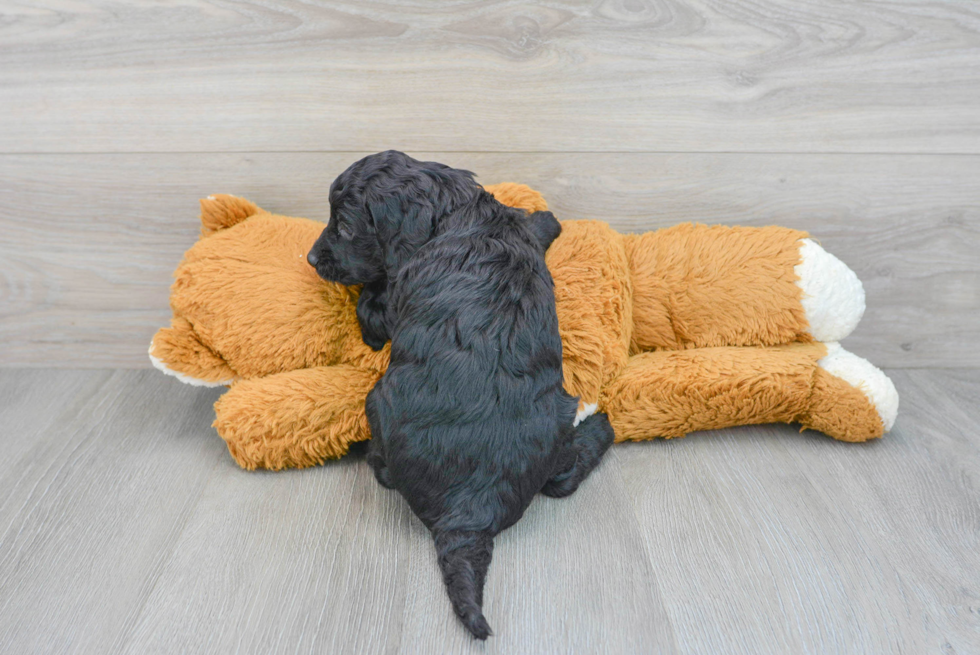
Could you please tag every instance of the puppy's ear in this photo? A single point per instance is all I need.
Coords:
(403, 225)
(408, 202)
(545, 227)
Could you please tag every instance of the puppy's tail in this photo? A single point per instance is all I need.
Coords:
(464, 557)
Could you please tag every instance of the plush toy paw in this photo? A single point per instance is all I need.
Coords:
(199, 366)
(840, 405)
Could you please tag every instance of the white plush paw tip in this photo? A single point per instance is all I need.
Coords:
(183, 377)
(584, 412)
(867, 377)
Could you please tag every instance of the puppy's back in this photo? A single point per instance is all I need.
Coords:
(472, 414)
(475, 376)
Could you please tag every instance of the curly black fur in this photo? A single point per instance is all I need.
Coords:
(470, 420)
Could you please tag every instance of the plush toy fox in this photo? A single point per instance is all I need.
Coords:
(688, 328)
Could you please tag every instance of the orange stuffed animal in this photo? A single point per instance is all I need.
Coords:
(682, 329)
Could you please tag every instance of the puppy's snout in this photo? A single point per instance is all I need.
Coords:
(312, 258)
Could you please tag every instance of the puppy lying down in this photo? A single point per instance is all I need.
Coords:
(470, 420)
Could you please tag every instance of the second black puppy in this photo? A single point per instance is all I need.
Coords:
(470, 420)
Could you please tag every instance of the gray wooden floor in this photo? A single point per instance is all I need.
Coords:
(126, 527)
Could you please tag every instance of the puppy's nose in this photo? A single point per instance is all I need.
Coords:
(312, 258)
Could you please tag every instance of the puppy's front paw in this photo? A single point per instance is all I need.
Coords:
(371, 309)
(374, 341)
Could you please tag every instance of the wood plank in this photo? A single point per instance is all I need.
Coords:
(31, 401)
(128, 528)
(508, 76)
(311, 561)
(326, 561)
(90, 241)
(571, 577)
(92, 509)
(320, 560)
(768, 541)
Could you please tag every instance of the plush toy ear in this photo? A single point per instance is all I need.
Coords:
(221, 211)
(519, 196)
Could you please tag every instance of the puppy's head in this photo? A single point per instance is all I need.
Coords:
(383, 209)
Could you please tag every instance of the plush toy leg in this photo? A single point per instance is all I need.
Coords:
(696, 286)
(295, 419)
(671, 393)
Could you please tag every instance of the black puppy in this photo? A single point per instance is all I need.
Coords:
(470, 420)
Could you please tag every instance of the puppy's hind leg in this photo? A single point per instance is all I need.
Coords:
(591, 440)
(377, 463)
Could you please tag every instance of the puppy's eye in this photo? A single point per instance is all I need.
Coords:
(345, 232)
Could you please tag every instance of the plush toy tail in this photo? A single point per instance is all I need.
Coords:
(464, 557)
(222, 211)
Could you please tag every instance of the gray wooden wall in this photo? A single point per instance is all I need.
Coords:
(859, 122)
